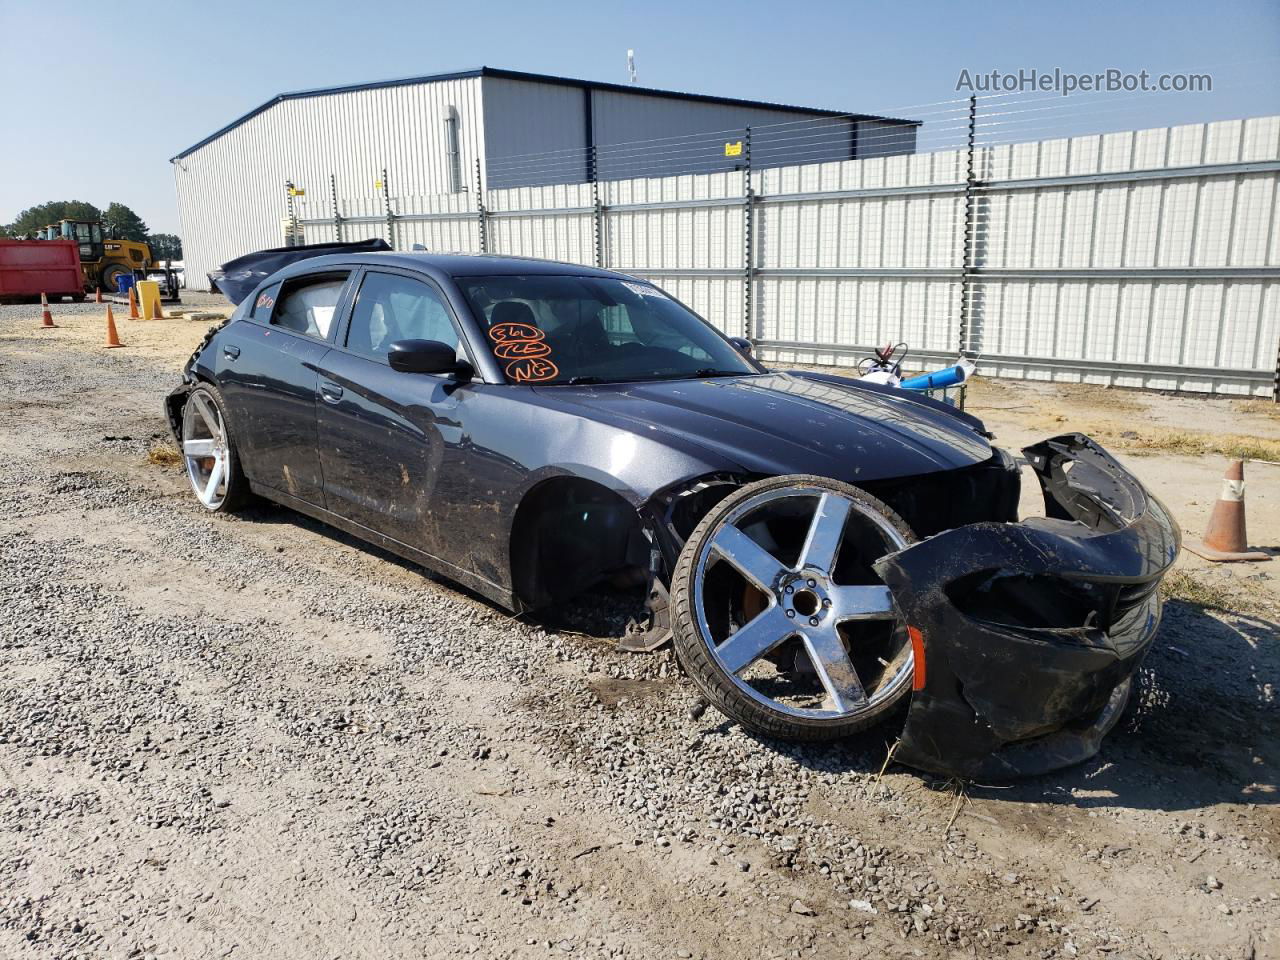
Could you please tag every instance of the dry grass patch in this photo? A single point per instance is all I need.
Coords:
(1184, 586)
(1193, 444)
(1108, 398)
(1257, 406)
(164, 455)
(1227, 597)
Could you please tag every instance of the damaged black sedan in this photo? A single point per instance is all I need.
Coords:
(819, 549)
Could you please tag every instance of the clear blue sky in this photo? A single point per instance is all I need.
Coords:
(97, 97)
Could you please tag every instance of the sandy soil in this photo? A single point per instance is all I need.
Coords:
(256, 737)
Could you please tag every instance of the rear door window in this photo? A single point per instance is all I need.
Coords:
(309, 305)
(263, 302)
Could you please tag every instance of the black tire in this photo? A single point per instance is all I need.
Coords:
(109, 274)
(237, 494)
(697, 661)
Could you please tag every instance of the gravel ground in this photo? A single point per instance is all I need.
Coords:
(256, 737)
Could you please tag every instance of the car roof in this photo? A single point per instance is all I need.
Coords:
(452, 265)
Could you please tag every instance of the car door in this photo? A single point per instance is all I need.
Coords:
(386, 436)
(267, 371)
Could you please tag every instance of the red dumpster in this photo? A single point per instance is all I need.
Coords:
(29, 268)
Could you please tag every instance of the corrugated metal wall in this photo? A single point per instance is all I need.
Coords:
(534, 133)
(231, 194)
(688, 137)
(562, 236)
(684, 233)
(231, 191)
(814, 222)
(876, 139)
(1141, 258)
(1131, 263)
(537, 133)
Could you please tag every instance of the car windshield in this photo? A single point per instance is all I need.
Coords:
(566, 329)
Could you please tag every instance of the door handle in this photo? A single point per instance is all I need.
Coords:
(231, 351)
(330, 391)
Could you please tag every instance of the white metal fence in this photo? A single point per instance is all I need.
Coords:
(1145, 258)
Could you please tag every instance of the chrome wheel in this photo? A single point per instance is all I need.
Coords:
(786, 603)
(205, 450)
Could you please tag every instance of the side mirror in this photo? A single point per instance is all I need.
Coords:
(742, 344)
(426, 356)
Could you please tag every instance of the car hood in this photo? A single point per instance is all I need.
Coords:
(783, 423)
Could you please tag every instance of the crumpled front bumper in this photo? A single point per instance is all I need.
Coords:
(1027, 635)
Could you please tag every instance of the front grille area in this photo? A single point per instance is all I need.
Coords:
(942, 501)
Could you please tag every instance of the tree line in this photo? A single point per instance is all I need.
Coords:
(120, 220)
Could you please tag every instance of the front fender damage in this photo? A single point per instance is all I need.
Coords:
(1027, 635)
(666, 521)
(176, 398)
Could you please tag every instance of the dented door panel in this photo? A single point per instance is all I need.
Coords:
(269, 379)
(382, 439)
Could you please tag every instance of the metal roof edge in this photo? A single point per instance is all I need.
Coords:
(504, 74)
(325, 91)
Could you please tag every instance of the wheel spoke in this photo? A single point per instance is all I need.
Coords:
(835, 670)
(754, 640)
(215, 478)
(207, 414)
(822, 545)
(750, 559)
(198, 448)
(873, 602)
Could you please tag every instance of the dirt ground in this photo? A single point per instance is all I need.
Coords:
(254, 737)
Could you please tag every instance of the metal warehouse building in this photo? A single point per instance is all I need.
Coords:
(480, 129)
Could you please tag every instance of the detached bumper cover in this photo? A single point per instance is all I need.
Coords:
(1031, 631)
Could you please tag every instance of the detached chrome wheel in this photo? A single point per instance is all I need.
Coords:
(209, 453)
(780, 620)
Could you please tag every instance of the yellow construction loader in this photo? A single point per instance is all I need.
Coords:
(103, 259)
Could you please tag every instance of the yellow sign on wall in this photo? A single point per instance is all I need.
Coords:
(733, 149)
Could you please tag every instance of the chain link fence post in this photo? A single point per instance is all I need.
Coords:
(748, 216)
(967, 252)
(481, 215)
(1275, 386)
(289, 192)
(333, 200)
(386, 203)
(597, 212)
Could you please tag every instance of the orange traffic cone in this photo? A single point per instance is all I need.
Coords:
(157, 312)
(97, 295)
(46, 318)
(1225, 537)
(133, 305)
(113, 338)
